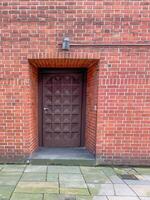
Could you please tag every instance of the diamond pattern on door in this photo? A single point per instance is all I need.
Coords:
(62, 109)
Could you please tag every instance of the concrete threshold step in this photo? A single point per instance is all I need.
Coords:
(62, 156)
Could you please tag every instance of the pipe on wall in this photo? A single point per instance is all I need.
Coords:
(117, 44)
(111, 45)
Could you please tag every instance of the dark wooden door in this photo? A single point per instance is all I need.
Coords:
(62, 109)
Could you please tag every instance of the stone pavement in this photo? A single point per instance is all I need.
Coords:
(31, 182)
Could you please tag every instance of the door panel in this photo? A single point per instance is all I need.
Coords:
(62, 109)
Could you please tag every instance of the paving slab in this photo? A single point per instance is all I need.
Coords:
(122, 171)
(28, 176)
(9, 178)
(37, 187)
(22, 196)
(108, 171)
(99, 198)
(123, 190)
(146, 178)
(72, 184)
(58, 197)
(143, 171)
(74, 191)
(64, 169)
(91, 198)
(122, 198)
(70, 197)
(52, 177)
(137, 182)
(101, 189)
(116, 179)
(141, 190)
(71, 177)
(8, 182)
(1, 167)
(5, 192)
(10, 174)
(72, 181)
(84, 198)
(13, 168)
(34, 168)
(96, 178)
(91, 170)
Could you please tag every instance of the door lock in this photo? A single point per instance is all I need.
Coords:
(45, 109)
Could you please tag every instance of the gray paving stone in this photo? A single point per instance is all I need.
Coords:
(58, 197)
(99, 198)
(1, 167)
(143, 171)
(52, 177)
(84, 198)
(64, 169)
(71, 177)
(101, 189)
(123, 190)
(121, 171)
(9, 178)
(37, 187)
(108, 171)
(91, 198)
(122, 198)
(22, 196)
(35, 168)
(28, 176)
(72, 181)
(143, 179)
(137, 182)
(72, 184)
(13, 168)
(96, 178)
(5, 192)
(141, 190)
(90, 170)
(146, 178)
(116, 179)
(74, 191)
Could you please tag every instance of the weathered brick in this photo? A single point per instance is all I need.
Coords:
(118, 131)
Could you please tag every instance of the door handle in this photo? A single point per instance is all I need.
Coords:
(45, 109)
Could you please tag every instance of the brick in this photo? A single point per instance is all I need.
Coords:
(117, 131)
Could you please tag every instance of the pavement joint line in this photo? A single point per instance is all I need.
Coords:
(43, 196)
(138, 197)
(119, 184)
(114, 189)
(18, 181)
(85, 181)
(58, 179)
(139, 173)
(46, 173)
(108, 177)
(130, 187)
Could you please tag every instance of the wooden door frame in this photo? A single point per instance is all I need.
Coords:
(40, 99)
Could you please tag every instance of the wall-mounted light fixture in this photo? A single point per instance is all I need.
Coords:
(66, 43)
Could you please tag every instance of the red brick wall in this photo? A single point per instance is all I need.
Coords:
(34, 29)
(91, 108)
(123, 134)
(34, 139)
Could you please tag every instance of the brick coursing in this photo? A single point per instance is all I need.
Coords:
(119, 131)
